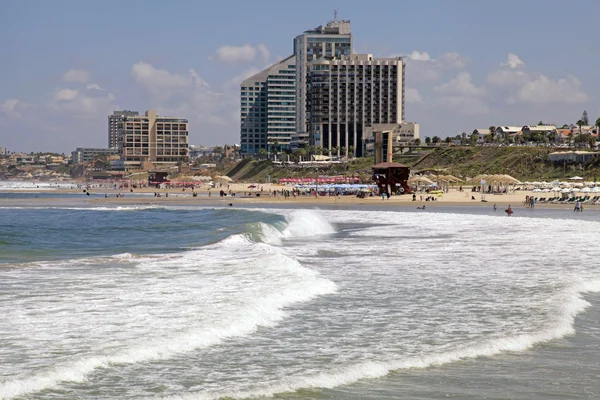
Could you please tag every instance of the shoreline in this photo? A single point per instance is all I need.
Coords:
(176, 199)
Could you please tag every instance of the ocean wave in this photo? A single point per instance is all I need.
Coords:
(298, 224)
(571, 303)
(269, 281)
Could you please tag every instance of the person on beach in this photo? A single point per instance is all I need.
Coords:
(509, 211)
(494, 207)
(577, 206)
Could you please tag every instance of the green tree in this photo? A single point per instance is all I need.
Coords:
(302, 152)
(435, 139)
(598, 126)
(352, 149)
(580, 124)
(448, 140)
(343, 150)
(262, 152)
(473, 139)
(427, 140)
(336, 150)
(417, 142)
(584, 118)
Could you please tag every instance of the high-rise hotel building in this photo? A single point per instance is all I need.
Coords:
(346, 96)
(331, 41)
(151, 141)
(268, 108)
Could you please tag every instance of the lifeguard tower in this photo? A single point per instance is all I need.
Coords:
(391, 177)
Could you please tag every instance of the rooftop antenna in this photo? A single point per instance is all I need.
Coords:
(335, 11)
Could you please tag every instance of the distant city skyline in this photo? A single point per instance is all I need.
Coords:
(67, 65)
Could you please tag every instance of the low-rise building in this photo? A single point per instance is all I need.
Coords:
(573, 156)
(85, 154)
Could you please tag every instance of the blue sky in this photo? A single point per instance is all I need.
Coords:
(66, 64)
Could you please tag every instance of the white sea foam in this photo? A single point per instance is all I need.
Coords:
(299, 224)
(418, 291)
(241, 286)
(571, 305)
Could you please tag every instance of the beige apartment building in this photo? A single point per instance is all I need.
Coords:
(150, 141)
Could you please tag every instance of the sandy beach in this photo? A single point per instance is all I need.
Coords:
(263, 194)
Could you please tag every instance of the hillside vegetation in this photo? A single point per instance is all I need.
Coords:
(524, 163)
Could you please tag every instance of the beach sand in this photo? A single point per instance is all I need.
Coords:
(245, 195)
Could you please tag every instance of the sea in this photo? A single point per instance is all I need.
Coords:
(248, 302)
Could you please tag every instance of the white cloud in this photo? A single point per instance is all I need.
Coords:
(421, 67)
(12, 108)
(264, 51)
(244, 53)
(79, 104)
(94, 86)
(544, 90)
(464, 105)
(77, 76)
(452, 60)
(419, 56)
(66, 94)
(513, 61)
(462, 86)
(508, 77)
(460, 94)
(412, 96)
(186, 96)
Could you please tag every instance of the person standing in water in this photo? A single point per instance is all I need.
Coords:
(509, 211)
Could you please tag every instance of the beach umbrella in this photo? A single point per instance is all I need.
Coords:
(419, 179)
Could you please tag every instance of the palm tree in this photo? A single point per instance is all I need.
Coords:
(343, 150)
(579, 124)
(262, 152)
(351, 149)
(336, 150)
(302, 151)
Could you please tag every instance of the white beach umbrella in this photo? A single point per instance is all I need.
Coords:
(586, 190)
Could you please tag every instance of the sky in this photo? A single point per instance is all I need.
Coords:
(66, 64)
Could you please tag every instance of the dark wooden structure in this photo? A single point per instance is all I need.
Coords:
(157, 177)
(391, 177)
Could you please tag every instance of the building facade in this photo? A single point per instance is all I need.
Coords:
(85, 154)
(331, 41)
(113, 126)
(346, 96)
(268, 108)
(150, 141)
